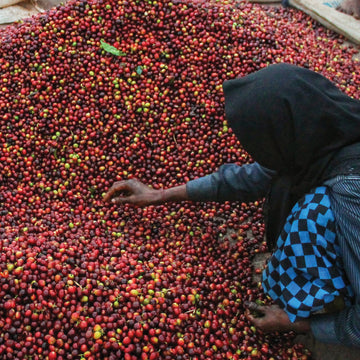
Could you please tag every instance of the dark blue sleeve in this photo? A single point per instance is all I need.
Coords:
(344, 327)
(339, 328)
(232, 182)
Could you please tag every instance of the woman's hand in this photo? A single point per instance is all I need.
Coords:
(133, 192)
(272, 318)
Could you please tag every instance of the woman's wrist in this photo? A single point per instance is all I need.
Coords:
(301, 326)
(177, 193)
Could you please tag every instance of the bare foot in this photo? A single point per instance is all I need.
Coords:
(351, 7)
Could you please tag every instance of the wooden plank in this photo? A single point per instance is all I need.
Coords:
(264, 1)
(15, 13)
(6, 3)
(326, 14)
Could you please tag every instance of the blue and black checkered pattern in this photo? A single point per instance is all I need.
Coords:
(306, 272)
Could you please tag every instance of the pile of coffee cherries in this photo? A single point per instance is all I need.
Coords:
(93, 92)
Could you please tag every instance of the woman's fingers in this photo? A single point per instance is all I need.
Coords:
(124, 199)
(131, 192)
(254, 310)
(272, 318)
(254, 307)
(119, 186)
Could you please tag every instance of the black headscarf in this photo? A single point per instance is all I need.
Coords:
(296, 122)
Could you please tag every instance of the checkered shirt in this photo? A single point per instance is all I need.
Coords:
(306, 272)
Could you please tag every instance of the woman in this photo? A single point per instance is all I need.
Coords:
(304, 135)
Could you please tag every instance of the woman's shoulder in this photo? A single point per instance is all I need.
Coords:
(314, 206)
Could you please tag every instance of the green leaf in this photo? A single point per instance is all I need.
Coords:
(139, 70)
(111, 49)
